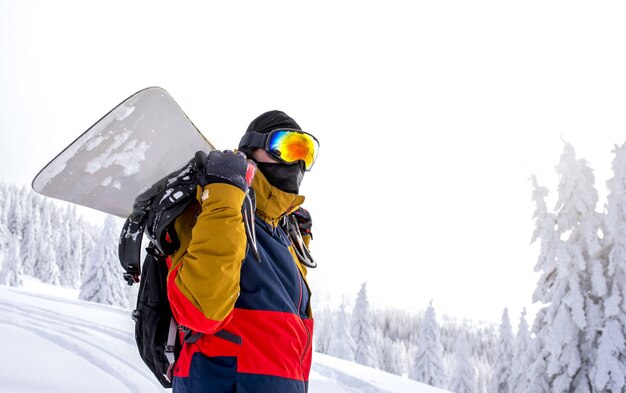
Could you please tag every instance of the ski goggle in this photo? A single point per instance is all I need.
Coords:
(285, 145)
(290, 146)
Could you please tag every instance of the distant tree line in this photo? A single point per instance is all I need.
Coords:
(415, 345)
(40, 238)
(50, 241)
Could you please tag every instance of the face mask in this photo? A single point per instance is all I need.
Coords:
(282, 176)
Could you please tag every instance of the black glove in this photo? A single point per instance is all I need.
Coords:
(303, 218)
(225, 167)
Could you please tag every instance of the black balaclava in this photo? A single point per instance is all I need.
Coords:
(285, 177)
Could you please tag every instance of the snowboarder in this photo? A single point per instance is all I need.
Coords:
(249, 319)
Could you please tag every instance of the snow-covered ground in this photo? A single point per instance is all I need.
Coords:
(51, 342)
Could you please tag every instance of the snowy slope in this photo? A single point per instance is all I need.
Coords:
(53, 343)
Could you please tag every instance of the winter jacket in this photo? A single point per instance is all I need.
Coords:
(255, 317)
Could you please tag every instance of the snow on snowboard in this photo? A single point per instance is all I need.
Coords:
(136, 144)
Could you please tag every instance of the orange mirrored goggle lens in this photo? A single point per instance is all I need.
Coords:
(290, 146)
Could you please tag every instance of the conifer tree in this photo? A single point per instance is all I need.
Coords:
(323, 330)
(11, 270)
(463, 378)
(57, 225)
(5, 237)
(4, 207)
(69, 265)
(501, 379)
(565, 286)
(392, 355)
(89, 235)
(76, 255)
(14, 211)
(545, 232)
(362, 331)
(428, 365)
(548, 237)
(341, 343)
(537, 377)
(63, 254)
(47, 268)
(23, 199)
(30, 243)
(609, 369)
(102, 283)
(521, 359)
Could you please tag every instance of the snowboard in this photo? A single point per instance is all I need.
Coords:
(140, 141)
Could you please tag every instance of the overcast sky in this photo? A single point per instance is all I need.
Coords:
(432, 116)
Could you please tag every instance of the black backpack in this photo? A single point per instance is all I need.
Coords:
(154, 214)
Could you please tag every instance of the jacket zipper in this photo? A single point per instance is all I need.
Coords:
(308, 333)
(306, 348)
(301, 290)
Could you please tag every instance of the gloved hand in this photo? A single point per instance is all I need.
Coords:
(225, 167)
(303, 217)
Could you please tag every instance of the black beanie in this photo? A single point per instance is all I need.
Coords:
(271, 120)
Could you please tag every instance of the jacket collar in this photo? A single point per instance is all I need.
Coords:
(271, 203)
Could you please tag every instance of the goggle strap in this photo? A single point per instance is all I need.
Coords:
(253, 139)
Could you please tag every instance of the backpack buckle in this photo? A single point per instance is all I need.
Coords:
(131, 278)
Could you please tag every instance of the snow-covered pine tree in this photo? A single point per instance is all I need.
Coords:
(63, 254)
(12, 210)
(11, 271)
(546, 233)
(102, 282)
(577, 215)
(23, 196)
(76, 251)
(30, 242)
(341, 343)
(391, 354)
(89, 235)
(521, 361)
(69, 250)
(5, 238)
(362, 331)
(324, 322)
(538, 381)
(46, 268)
(57, 225)
(4, 206)
(379, 344)
(501, 378)
(428, 365)
(609, 369)
(462, 378)
(565, 285)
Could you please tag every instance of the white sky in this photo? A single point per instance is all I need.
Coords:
(431, 117)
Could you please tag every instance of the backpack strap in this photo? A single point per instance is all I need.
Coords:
(248, 212)
(129, 248)
(170, 349)
(154, 211)
(290, 226)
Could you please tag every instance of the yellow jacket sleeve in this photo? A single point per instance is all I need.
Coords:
(203, 282)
